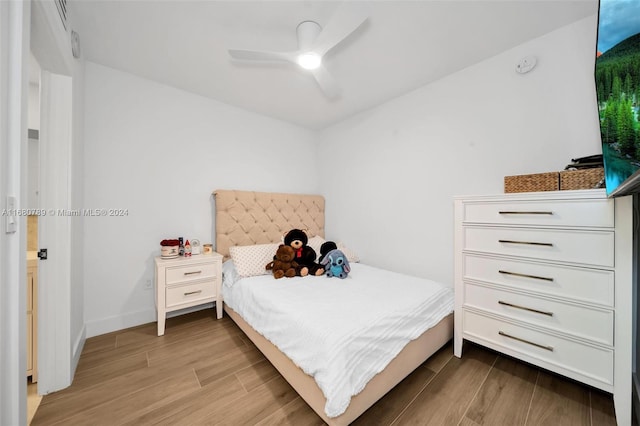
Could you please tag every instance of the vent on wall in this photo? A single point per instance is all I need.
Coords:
(62, 10)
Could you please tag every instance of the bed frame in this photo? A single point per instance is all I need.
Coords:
(244, 218)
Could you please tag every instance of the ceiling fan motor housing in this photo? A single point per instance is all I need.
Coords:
(307, 33)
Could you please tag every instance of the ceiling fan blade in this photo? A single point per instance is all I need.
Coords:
(326, 82)
(254, 55)
(345, 21)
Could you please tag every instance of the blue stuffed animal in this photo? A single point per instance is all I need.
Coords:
(336, 264)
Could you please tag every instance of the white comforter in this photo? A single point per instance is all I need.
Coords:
(342, 332)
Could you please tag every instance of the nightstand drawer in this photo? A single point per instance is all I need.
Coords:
(583, 284)
(585, 247)
(587, 360)
(585, 322)
(190, 293)
(187, 273)
(596, 213)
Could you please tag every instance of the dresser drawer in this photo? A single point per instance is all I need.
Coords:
(586, 247)
(587, 323)
(187, 273)
(591, 361)
(190, 293)
(583, 284)
(574, 213)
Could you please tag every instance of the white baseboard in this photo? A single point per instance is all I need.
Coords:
(635, 398)
(132, 319)
(115, 323)
(78, 345)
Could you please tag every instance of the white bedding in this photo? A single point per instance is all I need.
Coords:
(342, 332)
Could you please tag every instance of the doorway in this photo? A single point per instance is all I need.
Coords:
(55, 323)
(33, 205)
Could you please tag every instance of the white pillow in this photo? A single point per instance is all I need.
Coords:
(229, 273)
(251, 260)
(315, 243)
(351, 255)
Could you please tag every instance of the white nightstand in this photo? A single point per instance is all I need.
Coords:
(187, 281)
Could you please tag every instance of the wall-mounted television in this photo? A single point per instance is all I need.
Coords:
(617, 77)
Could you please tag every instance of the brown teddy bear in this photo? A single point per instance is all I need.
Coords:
(283, 264)
(304, 255)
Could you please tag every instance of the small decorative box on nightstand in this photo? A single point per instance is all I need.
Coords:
(187, 281)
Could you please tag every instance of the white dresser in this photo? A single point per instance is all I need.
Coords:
(547, 278)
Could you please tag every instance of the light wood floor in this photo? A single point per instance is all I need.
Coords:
(33, 400)
(205, 371)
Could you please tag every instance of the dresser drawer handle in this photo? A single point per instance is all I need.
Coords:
(531, 243)
(524, 275)
(193, 292)
(524, 308)
(193, 273)
(546, 347)
(517, 212)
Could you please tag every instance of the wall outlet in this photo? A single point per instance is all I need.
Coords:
(148, 285)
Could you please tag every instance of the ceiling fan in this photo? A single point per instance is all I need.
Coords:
(313, 43)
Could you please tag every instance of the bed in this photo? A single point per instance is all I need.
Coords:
(251, 219)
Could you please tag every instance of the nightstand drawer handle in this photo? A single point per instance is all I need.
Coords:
(516, 212)
(193, 273)
(531, 243)
(524, 308)
(517, 274)
(193, 292)
(546, 347)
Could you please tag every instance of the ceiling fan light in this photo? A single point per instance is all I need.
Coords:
(309, 61)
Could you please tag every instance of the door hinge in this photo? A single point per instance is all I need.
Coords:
(42, 254)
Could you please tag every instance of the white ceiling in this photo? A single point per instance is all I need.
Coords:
(402, 46)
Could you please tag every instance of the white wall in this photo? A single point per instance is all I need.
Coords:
(389, 174)
(159, 153)
(77, 317)
(33, 150)
(34, 106)
(33, 169)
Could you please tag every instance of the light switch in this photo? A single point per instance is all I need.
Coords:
(11, 218)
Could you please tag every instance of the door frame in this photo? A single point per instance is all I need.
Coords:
(14, 54)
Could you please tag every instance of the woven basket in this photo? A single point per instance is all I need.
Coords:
(532, 183)
(582, 179)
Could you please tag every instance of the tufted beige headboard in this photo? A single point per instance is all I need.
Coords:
(246, 217)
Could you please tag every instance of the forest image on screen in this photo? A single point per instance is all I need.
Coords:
(617, 77)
